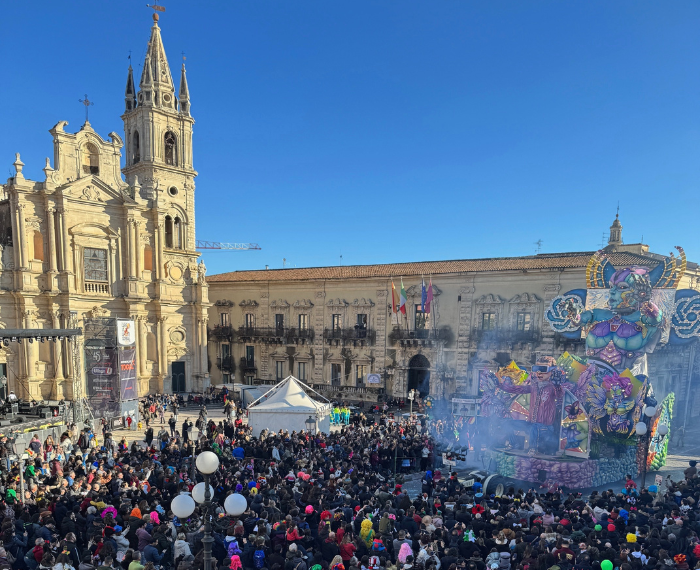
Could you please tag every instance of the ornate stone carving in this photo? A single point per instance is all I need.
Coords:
(91, 193)
(224, 303)
(337, 303)
(248, 304)
(304, 304)
(279, 304)
(96, 312)
(363, 303)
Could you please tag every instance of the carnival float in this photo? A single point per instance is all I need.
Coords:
(574, 421)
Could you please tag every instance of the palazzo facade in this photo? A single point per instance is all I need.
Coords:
(333, 327)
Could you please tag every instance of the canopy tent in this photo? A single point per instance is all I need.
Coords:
(287, 406)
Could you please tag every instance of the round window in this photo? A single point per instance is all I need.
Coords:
(166, 98)
(172, 191)
(177, 336)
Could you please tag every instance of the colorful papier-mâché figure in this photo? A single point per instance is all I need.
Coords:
(630, 327)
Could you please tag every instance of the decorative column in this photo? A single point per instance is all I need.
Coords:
(464, 330)
(161, 244)
(318, 317)
(112, 266)
(52, 239)
(67, 262)
(17, 256)
(131, 238)
(204, 360)
(56, 355)
(22, 236)
(139, 249)
(163, 353)
(31, 350)
(141, 347)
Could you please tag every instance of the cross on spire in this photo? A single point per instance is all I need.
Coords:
(183, 56)
(87, 104)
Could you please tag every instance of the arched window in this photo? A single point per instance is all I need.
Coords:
(147, 258)
(136, 143)
(177, 234)
(91, 159)
(170, 149)
(38, 246)
(168, 232)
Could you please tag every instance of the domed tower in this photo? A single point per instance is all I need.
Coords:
(615, 238)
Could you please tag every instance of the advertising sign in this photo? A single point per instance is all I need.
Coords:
(101, 378)
(127, 374)
(126, 333)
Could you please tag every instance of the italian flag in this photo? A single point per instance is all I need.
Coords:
(402, 299)
(394, 298)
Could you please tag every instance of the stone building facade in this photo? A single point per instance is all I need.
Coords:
(89, 242)
(332, 326)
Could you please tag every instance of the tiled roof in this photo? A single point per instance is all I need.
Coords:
(541, 261)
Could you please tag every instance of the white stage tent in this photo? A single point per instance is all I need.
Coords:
(287, 406)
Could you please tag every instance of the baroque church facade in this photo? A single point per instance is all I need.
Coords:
(95, 239)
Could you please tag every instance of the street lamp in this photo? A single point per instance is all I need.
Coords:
(642, 429)
(411, 397)
(183, 505)
(311, 425)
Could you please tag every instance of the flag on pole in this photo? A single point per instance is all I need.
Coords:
(423, 294)
(394, 298)
(402, 299)
(428, 297)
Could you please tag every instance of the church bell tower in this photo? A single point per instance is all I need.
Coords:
(158, 130)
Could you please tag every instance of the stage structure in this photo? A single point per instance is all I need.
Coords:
(576, 421)
(110, 357)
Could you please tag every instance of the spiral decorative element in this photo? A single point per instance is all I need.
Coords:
(563, 313)
(686, 317)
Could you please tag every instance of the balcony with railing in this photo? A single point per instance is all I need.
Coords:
(96, 288)
(222, 332)
(225, 364)
(505, 336)
(420, 337)
(355, 336)
(276, 335)
(247, 365)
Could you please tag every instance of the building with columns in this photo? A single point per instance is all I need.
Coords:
(95, 239)
(333, 326)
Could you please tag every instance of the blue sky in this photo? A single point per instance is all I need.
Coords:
(391, 131)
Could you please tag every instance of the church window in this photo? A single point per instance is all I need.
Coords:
(172, 191)
(91, 159)
(136, 142)
(95, 261)
(177, 233)
(148, 258)
(170, 149)
(38, 246)
(168, 232)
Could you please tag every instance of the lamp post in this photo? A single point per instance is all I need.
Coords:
(311, 425)
(643, 429)
(183, 505)
(411, 396)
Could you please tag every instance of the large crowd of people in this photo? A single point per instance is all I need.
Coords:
(319, 502)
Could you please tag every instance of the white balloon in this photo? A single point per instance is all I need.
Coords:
(182, 506)
(235, 504)
(641, 428)
(198, 492)
(663, 429)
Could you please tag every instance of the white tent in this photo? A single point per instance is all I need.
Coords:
(287, 406)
